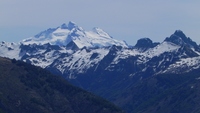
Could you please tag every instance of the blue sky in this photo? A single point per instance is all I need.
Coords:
(127, 20)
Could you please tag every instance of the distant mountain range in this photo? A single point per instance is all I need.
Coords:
(96, 62)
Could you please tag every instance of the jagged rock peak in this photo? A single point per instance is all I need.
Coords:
(145, 43)
(72, 25)
(179, 38)
(64, 26)
(180, 34)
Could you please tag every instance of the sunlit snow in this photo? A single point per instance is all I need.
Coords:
(64, 34)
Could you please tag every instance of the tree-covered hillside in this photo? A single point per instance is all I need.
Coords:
(29, 89)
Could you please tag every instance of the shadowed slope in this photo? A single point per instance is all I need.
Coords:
(29, 89)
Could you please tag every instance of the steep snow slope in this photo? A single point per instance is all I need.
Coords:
(160, 49)
(184, 65)
(80, 61)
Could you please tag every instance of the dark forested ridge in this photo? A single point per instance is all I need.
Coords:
(166, 93)
(29, 89)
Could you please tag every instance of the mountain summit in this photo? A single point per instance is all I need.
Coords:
(73, 36)
(145, 43)
(180, 38)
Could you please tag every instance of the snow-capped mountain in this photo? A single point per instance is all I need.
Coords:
(73, 36)
(72, 52)
(172, 52)
(98, 63)
(170, 56)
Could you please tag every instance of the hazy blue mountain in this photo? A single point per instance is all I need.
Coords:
(108, 67)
